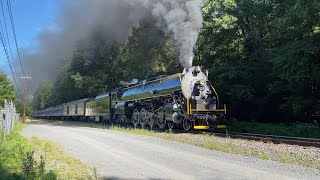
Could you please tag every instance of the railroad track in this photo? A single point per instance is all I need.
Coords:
(307, 142)
(277, 139)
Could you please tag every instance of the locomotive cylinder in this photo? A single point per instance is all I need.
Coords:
(177, 118)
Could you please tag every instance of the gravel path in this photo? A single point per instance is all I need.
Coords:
(119, 155)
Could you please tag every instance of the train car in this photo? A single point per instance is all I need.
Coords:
(99, 108)
(75, 109)
(55, 112)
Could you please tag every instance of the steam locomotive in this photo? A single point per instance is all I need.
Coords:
(186, 99)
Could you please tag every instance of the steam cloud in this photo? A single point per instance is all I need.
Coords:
(180, 18)
(77, 20)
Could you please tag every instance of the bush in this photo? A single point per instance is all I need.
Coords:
(32, 170)
(17, 161)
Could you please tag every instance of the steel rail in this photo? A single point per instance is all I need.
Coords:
(277, 139)
(300, 141)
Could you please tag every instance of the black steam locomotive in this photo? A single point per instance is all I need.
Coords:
(186, 99)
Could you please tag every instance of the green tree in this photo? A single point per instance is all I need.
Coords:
(43, 97)
(263, 56)
(233, 45)
(296, 59)
(7, 90)
(19, 106)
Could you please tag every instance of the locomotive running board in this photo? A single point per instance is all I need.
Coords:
(224, 110)
(200, 127)
(221, 126)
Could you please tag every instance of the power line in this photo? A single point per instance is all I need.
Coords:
(14, 33)
(5, 50)
(8, 39)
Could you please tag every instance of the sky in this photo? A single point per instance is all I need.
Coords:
(30, 18)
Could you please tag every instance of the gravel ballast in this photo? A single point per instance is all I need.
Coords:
(293, 154)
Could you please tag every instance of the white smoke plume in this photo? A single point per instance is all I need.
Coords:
(180, 18)
(184, 20)
(78, 19)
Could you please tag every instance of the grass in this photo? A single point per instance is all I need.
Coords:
(21, 158)
(297, 130)
(65, 167)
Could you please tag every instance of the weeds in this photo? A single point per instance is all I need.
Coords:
(95, 173)
(31, 169)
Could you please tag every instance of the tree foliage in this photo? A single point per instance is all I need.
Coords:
(263, 56)
(19, 106)
(296, 58)
(43, 96)
(7, 90)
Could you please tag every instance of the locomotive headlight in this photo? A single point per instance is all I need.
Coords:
(202, 82)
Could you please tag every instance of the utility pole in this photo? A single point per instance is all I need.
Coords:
(25, 78)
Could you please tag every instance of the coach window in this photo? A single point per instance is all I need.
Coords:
(76, 109)
(67, 110)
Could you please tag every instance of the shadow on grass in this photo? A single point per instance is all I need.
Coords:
(5, 174)
(117, 178)
(88, 124)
